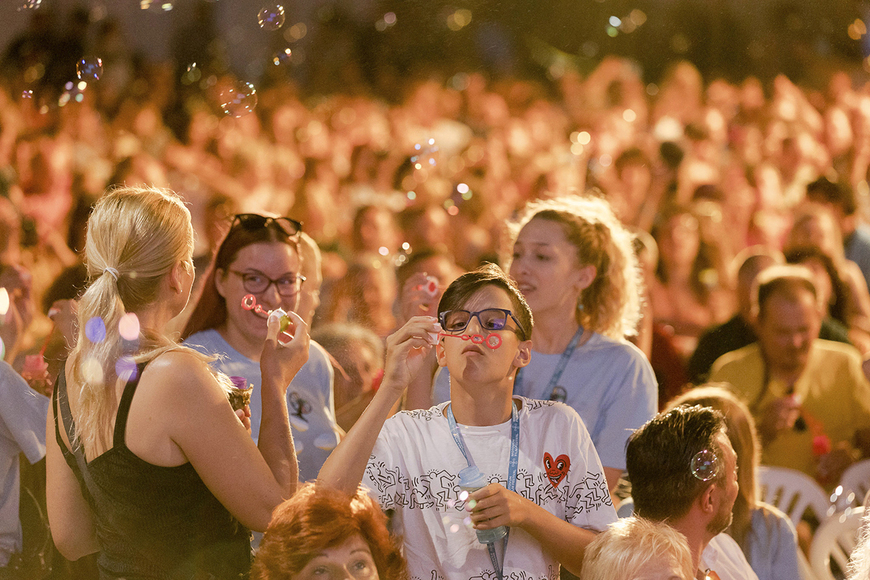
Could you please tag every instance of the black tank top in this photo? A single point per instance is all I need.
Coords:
(152, 522)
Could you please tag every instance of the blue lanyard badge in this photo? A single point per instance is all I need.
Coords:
(512, 472)
(557, 372)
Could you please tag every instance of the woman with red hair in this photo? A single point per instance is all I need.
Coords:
(325, 533)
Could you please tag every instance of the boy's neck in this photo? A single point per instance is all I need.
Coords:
(485, 405)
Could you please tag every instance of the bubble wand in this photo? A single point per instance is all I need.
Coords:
(491, 340)
(249, 302)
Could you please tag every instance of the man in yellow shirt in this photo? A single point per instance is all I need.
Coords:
(810, 399)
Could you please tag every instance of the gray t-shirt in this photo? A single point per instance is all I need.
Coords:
(309, 398)
(23, 413)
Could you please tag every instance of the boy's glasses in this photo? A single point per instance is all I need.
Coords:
(253, 221)
(455, 321)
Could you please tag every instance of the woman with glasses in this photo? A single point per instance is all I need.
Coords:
(146, 461)
(260, 256)
(533, 492)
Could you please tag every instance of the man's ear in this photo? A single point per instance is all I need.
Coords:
(524, 354)
(707, 499)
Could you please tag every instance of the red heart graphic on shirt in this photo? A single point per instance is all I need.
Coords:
(558, 469)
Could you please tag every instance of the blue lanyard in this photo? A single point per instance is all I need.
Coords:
(512, 472)
(557, 372)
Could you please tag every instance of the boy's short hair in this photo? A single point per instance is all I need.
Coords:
(464, 287)
(659, 457)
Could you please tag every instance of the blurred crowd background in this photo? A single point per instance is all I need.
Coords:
(390, 128)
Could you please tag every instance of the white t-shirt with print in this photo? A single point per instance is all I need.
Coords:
(414, 470)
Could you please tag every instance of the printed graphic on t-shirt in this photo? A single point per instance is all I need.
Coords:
(440, 489)
(299, 407)
(557, 468)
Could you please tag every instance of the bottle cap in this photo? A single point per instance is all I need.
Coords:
(471, 477)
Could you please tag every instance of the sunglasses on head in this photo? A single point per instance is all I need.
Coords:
(253, 221)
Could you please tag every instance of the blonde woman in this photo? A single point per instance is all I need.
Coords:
(149, 464)
(635, 548)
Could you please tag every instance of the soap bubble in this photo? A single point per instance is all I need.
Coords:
(4, 301)
(239, 100)
(192, 74)
(705, 465)
(424, 151)
(125, 368)
(89, 68)
(282, 57)
(95, 329)
(28, 94)
(271, 17)
(29, 5)
(463, 495)
(128, 326)
(454, 528)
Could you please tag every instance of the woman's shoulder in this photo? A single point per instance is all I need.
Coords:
(205, 340)
(613, 349)
(178, 367)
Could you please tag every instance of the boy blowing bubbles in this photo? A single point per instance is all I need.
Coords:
(546, 483)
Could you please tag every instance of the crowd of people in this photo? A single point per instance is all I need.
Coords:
(502, 277)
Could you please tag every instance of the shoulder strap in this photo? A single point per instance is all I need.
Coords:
(60, 399)
(75, 454)
(119, 438)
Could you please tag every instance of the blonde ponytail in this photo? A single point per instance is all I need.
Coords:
(136, 235)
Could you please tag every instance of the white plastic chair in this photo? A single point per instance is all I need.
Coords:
(793, 492)
(855, 484)
(834, 540)
(804, 568)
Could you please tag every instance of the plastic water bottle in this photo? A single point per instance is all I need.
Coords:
(470, 480)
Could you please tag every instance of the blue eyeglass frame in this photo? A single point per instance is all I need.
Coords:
(442, 318)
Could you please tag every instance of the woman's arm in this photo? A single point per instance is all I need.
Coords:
(248, 481)
(69, 515)
(278, 365)
(406, 354)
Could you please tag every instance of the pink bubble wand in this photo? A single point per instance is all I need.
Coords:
(249, 302)
(491, 340)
